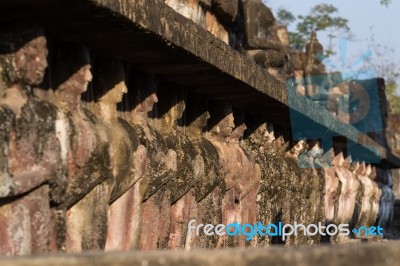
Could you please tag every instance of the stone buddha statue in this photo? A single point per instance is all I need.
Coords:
(241, 174)
(129, 157)
(211, 186)
(190, 163)
(162, 160)
(31, 160)
(89, 156)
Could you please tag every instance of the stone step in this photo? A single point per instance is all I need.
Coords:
(381, 254)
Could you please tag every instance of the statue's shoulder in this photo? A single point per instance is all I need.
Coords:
(43, 109)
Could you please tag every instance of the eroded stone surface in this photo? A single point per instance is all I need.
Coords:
(31, 156)
(89, 157)
(211, 187)
(260, 41)
(190, 9)
(190, 163)
(129, 158)
(240, 174)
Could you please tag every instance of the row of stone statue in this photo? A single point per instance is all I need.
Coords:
(130, 165)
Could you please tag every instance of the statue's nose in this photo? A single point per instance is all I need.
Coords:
(155, 98)
(89, 76)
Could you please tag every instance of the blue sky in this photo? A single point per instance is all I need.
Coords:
(366, 18)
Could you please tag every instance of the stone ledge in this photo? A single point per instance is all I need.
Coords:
(356, 255)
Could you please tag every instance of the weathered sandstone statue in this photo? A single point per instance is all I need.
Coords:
(129, 157)
(89, 158)
(249, 182)
(316, 197)
(271, 194)
(344, 194)
(141, 99)
(190, 163)
(376, 195)
(355, 195)
(211, 186)
(162, 164)
(348, 195)
(304, 189)
(356, 169)
(349, 189)
(386, 205)
(331, 191)
(241, 175)
(30, 150)
(367, 188)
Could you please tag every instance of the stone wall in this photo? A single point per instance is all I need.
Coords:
(247, 26)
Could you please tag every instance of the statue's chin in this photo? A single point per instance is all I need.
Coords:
(34, 80)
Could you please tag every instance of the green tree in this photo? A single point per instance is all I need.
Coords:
(285, 17)
(384, 66)
(386, 2)
(322, 17)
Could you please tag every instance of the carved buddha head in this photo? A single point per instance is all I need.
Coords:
(201, 121)
(262, 133)
(145, 89)
(196, 114)
(72, 73)
(347, 162)
(148, 103)
(222, 120)
(141, 97)
(270, 133)
(171, 106)
(109, 82)
(297, 149)
(339, 160)
(372, 174)
(356, 168)
(368, 169)
(315, 148)
(240, 126)
(23, 53)
(363, 168)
